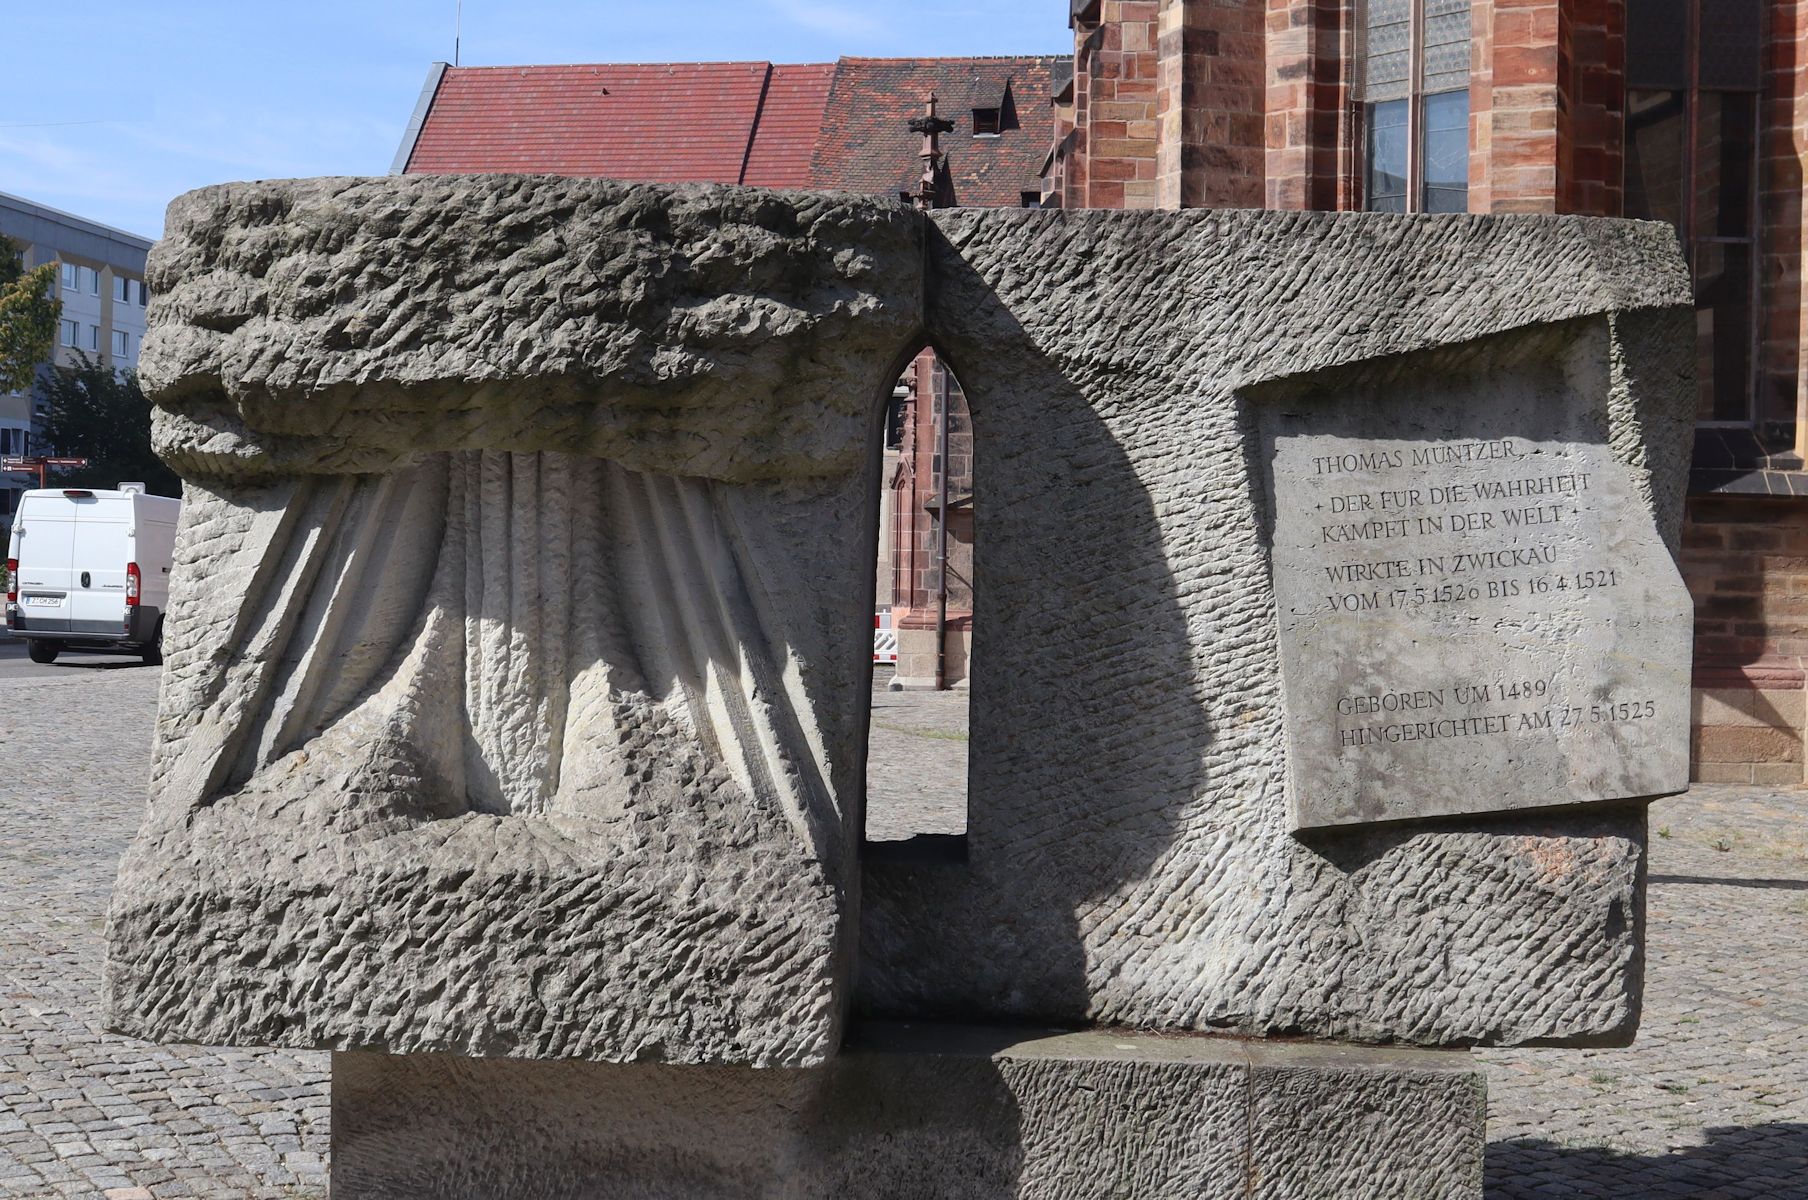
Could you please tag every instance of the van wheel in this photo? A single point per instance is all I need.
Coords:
(42, 651)
(153, 653)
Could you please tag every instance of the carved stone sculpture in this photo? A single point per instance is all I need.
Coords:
(514, 701)
(516, 687)
(1132, 855)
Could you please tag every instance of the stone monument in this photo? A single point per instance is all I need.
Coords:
(512, 733)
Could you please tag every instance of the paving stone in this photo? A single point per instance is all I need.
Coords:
(1712, 1097)
(916, 767)
(85, 1113)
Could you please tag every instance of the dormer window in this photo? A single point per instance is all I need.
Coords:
(985, 122)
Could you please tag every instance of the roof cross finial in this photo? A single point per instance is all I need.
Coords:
(932, 191)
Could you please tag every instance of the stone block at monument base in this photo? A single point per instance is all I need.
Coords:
(923, 1111)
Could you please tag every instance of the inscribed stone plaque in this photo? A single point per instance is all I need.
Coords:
(1476, 610)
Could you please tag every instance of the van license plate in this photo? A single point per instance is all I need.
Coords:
(43, 601)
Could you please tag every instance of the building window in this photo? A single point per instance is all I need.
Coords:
(985, 122)
(72, 332)
(143, 296)
(122, 290)
(72, 277)
(1415, 105)
(94, 337)
(1387, 156)
(1693, 73)
(120, 341)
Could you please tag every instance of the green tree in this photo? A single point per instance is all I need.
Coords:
(28, 317)
(97, 413)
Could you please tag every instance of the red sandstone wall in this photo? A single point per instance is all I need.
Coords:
(1214, 82)
(1518, 62)
(1746, 563)
(913, 524)
(1115, 107)
(1248, 103)
(1591, 166)
(1169, 102)
(1309, 136)
(1546, 106)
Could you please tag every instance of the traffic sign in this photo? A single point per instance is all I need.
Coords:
(39, 463)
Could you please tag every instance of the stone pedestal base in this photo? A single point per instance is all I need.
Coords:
(937, 1112)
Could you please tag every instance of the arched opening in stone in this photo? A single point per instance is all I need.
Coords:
(916, 770)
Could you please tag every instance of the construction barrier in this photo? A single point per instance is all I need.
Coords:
(885, 639)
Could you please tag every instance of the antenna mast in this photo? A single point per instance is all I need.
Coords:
(458, 29)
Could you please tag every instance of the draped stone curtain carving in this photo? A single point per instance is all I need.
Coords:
(494, 612)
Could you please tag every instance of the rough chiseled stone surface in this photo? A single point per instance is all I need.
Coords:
(1129, 855)
(516, 664)
(947, 1112)
(1337, 1121)
(340, 325)
(515, 677)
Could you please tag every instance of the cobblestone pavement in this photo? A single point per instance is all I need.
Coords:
(916, 765)
(16, 665)
(1710, 1103)
(1711, 1100)
(83, 1112)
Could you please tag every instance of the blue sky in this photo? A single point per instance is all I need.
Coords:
(114, 108)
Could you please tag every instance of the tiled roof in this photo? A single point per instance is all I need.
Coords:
(839, 126)
(866, 144)
(780, 155)
(660, 122)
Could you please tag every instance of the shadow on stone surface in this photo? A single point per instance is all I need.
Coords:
(1129, 858)
(1736, 1163)
(464, 1129)
(1066, 803)
(1788, 885)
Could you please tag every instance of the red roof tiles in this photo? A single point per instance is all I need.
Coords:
(786, 135)
(838, 126)
(866, 144)
(661, 122)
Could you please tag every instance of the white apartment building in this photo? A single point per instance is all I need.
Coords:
(100, 280)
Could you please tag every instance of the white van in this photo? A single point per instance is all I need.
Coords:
(90, 568)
